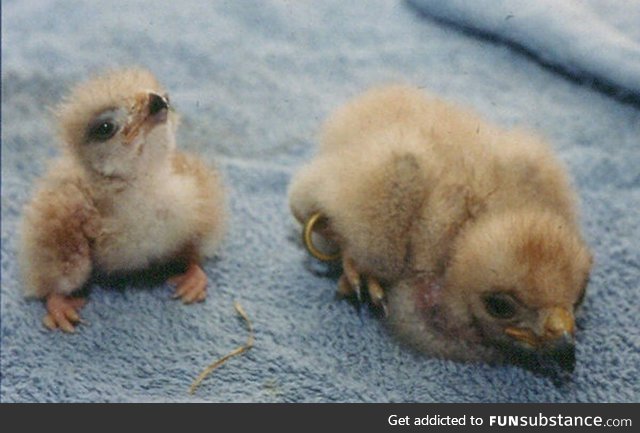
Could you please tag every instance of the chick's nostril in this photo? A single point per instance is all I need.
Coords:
(157, 103)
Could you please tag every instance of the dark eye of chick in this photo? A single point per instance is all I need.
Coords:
(500, 305)
(102, 130)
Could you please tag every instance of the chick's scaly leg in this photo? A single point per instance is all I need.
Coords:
(62, 312)
(192, 285)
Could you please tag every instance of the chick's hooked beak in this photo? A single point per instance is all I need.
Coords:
(157, 104)
(557, 341)
(149, 110)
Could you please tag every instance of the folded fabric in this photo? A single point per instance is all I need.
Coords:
(570, 35)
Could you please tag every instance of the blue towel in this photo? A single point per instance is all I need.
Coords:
(587, 39)
(253, 81)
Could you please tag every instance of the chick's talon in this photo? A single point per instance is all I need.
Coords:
(192, 285)
(351, 281)
(348, 290)
(350, 284)
(62, 312)
(377, 296)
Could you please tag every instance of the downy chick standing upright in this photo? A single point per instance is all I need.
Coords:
(121, 198)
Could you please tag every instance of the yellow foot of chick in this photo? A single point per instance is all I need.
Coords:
(62, 312)
(351, 284)
(191, 286)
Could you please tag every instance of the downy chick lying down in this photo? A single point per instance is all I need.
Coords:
(464, 235)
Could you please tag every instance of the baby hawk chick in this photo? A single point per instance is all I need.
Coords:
(120, 199)
(464, 234)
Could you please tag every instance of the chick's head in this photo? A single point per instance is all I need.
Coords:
(118, 125)
(518, 279)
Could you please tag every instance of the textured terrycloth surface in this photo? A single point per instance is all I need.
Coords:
(253, 80)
